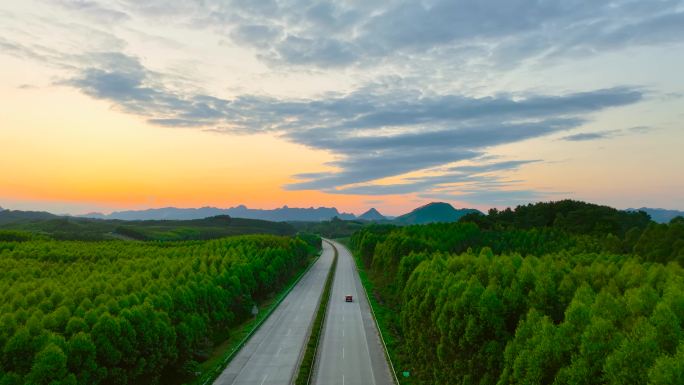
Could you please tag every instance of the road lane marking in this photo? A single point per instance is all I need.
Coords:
(278, 352)
(343, 379)
(343, 352)
(247, 363)
(264, 380)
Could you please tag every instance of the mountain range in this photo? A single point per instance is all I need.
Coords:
(432, 212)
(660, 215)
(282, 214)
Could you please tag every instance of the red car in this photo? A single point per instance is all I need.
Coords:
(348, 298)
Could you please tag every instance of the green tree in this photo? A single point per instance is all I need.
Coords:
(50, 367)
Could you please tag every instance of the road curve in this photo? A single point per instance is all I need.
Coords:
(272, 354)
(350, 351)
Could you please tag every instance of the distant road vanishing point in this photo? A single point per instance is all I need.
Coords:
(350, 351)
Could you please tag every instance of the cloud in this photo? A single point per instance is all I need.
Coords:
(492, 197)
(94, 10)
(492, 167)
(330, 33)
(589, 136)
(375, 132)
(256, 35)
(467, 176)
(333, 34)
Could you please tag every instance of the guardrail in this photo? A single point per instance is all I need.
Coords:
(214, 373)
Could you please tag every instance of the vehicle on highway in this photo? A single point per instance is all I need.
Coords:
(348, 298)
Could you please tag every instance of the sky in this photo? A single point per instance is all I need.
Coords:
(123, 104)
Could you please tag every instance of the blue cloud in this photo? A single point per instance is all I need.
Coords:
(330, 33)
(586, 136)
(374, 135)
(589, 136)
(493, 167)
(493, 197)
(468, 176)
(94, 10)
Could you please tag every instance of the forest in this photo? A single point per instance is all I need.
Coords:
(553, 293)
(88, 229)
(128, 312)
(334, 228)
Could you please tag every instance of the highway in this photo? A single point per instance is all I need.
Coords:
(350, 351)
(271, 356)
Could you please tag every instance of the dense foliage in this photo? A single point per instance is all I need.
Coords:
(120, 312)
(571, 216)
(73, 228)
(334, 228)
(538, 303)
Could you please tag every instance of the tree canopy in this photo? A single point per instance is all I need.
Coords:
(539, 295)
(122, 312)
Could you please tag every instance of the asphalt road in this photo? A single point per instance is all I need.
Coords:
(272, 354)
(350, 352)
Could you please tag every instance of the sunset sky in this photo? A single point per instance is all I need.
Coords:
(126, 104)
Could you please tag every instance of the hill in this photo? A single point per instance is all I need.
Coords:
(431, 213)
(207, 228)
(281, 214)
(11, 216)
(334, 228)
(72, 228)
(568, 215)
(660, 215)
(372, 215)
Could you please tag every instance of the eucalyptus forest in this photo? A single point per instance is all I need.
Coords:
(552, 293)
(561, 293)
(124, 312)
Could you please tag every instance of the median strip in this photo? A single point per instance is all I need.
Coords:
(309, 359)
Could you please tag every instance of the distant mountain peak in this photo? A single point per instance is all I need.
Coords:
(372, 215)
(433, 212)
(444, 205)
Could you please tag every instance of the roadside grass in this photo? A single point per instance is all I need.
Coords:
(309, 358)
(223, 353)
